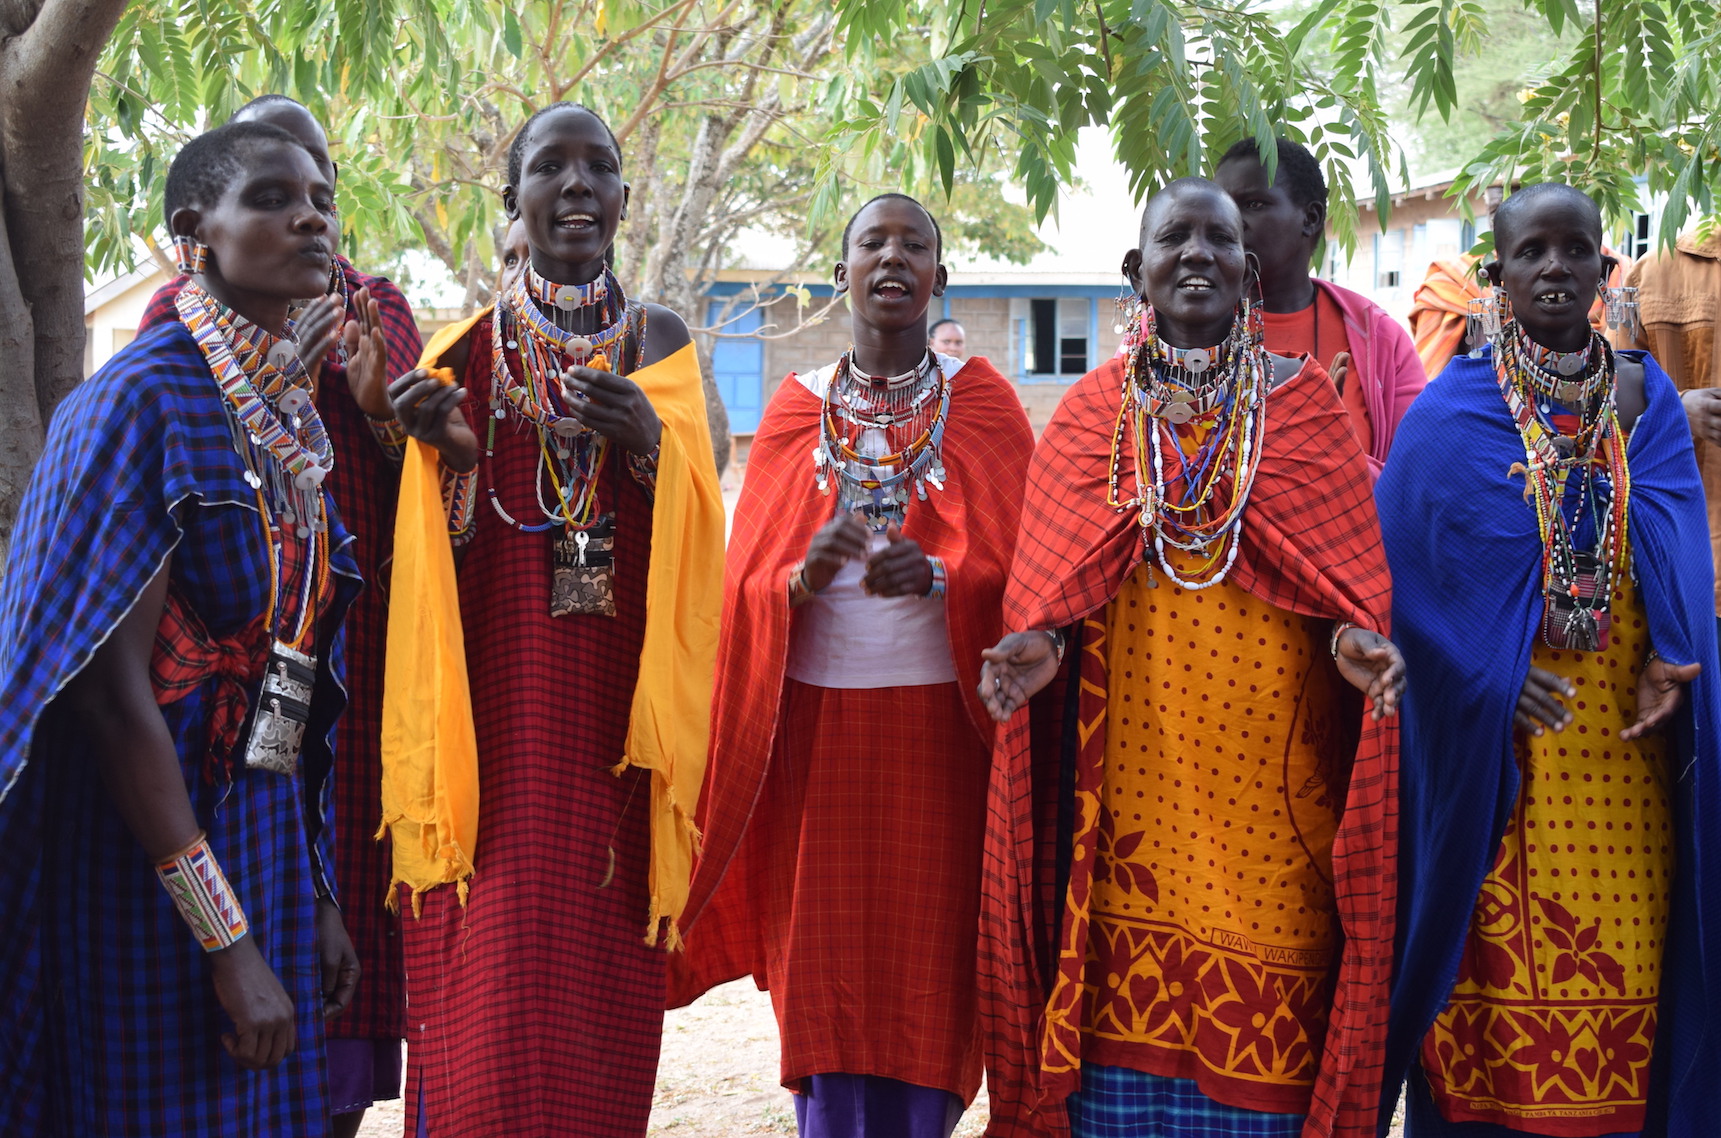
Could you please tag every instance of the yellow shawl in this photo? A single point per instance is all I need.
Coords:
(429, 747)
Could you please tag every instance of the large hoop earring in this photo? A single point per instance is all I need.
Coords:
(190, 255)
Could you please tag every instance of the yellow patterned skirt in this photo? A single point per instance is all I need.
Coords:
(1551, 1025)
(1214, 932)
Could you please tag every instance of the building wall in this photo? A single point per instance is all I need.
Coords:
(113, 324)
(1388, 266)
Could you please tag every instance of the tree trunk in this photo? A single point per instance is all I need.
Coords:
(48, 53)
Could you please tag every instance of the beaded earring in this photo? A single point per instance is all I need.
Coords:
(1621, 305)
(190, 255)
(1128, 305)
(1486, 316)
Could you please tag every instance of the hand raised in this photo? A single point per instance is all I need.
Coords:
(1014, 670)
(367, 358)
(317, 327)
(1373, 665)
(900, 569)
(429, 410)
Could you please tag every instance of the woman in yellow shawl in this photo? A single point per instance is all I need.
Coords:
(591, 527)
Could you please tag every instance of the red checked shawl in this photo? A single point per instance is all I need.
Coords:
(1312, 546)
(970, 524)
(363, 485)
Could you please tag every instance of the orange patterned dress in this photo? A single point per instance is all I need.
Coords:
(1551, 1025)
(1214, 931)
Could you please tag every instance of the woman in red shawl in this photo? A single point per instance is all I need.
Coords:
(1186, 927)
(843, 808)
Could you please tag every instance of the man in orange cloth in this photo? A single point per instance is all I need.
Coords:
(844, 805)
(1371, 359)
(1189, 887)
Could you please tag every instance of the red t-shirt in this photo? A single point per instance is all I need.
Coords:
(1319, 331)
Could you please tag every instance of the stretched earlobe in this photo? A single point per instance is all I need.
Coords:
(840, 277)
(511, 203)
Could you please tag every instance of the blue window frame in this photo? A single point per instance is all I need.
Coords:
(738, 368)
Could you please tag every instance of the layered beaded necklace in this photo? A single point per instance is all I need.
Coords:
(280, 439)
(570, 455)
(881, 435)
(1577, 583)
(1216, 398)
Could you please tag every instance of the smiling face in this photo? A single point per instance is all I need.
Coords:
(271, 236)
(571, 196)
(890, 269)
(1550, 263)
(1281, 233)
(1190, 266)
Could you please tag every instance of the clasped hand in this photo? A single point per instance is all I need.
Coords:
(900, 569)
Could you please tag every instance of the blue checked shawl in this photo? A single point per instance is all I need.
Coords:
(108, 1022)
(1466, 579)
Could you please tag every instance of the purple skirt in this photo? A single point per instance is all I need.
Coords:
(871, 1106)
(361, 1072)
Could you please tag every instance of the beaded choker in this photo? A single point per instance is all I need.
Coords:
(567, 297)
(1569, 377)
(1170, 396)
(1577, 582)
(894, 439)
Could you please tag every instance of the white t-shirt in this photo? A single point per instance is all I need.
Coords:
(844, 638)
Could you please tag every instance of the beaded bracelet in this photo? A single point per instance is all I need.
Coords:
(643, 467)
(1339, 630)
(460, 501)
(194, 880)
(390, 435)
(940, 580)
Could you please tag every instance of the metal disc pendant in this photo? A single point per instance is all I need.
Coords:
(282, 355)
(1570, 392)
(1566, 447)
(1198, 360)
(304, 532)
(252, 480)
(513, 345)
(293, 401)
(1178, 413)
(1569, 365)
(581, 347)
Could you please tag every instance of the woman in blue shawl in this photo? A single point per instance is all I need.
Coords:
(168, 689)
(1545, 526)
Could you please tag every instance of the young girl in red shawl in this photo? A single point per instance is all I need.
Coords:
(844, 803)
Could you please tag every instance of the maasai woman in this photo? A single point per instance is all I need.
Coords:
(170, 688)
(1367, 353)
(1545, 524)
(845, 803)
(364, 1043)
(1187, 921)
(585, 610)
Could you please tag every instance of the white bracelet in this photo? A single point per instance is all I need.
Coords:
(194, 880)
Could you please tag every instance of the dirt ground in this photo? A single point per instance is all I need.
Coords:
(718, 1075)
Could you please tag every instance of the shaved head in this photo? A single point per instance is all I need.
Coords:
(1514, 209)
(1190, 188)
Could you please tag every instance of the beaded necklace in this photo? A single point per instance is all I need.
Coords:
(1170, 392)
(570, 456)
(280, 439)
(909, 428)
(1577, 584)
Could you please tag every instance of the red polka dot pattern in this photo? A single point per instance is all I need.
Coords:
(1553, 1017)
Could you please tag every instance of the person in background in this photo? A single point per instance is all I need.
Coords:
(1188, 887)
(543, 817)
(364, 1044)
(1558, 952)
(1369, 356)
(844, 805)
(947, 338)
(1679, 308)
(171, 616)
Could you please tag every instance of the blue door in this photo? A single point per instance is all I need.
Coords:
(738, 366)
